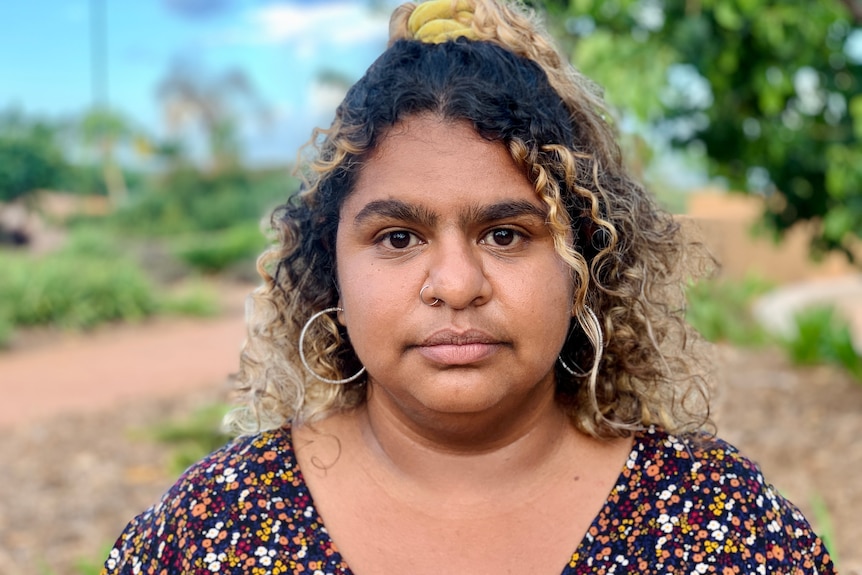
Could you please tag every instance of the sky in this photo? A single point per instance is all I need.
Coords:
(46, 63)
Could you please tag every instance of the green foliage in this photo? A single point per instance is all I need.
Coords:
(88, 282)
(720, 310)
(93, 241)
(81, 566)
(215, 104)
(767, 89)
(92, 280)
(6, 326)
(89, 179)
(101, 127)
(73, 291)
(821, 336)
(186, 199)
(194, 437)
(91, 566)
(196, 300)
(30, 157)
(216, 251)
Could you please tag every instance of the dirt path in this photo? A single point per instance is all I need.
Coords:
(78, 461)
(157, 359)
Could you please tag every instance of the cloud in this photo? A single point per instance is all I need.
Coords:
(332, 23)
(323, 99)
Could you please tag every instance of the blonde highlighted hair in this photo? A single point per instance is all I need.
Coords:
(511, 84)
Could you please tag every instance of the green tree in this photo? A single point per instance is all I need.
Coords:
(768, 89)
(212, 105)
(30, 156)
(105, 130)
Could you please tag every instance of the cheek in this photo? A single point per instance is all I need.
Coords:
(362, 284)
(373, 302)
(556, 295)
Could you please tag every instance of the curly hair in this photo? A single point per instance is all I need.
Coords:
(625, 253)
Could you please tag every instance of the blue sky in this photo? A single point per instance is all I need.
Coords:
(45, 56)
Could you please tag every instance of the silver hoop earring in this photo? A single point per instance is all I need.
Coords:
(305, 361)
(434, 303)
(598, 342)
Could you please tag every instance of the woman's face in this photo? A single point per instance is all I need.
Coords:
(438, 205)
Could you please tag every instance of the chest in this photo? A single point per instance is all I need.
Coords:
(537, 533)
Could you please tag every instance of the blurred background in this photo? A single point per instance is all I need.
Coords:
(143, 144)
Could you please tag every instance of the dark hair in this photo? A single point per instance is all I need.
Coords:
(622, 249)
(504, 96)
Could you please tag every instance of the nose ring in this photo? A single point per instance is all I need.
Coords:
(422, 299)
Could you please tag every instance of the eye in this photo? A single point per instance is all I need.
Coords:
(502, 237)
(399, 239)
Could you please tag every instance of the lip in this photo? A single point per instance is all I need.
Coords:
(450, 347)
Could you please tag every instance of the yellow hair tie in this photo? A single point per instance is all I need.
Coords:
(437, 21)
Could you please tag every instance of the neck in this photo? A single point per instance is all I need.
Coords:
(463, 449)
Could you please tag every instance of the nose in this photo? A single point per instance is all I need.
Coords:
(457, 274)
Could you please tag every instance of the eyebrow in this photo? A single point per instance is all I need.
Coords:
(505, 211)
(399, 210)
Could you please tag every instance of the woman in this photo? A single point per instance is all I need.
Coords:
(465, 357)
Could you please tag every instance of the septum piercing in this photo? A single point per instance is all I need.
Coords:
(422, 299)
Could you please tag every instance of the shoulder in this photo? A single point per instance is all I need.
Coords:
(715, 502)
(240, 472)
(225, 497)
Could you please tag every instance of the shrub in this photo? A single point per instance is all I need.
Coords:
(721, 310)
(6, 327)
(194, 300)
(73, 291)
(187, 200)
(823, 337)
(214, 252)
(93, 241)
(30, 155)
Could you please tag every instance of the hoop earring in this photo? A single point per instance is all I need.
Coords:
(598, 343)
(305, 361)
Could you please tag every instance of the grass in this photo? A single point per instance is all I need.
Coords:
(823, 520)
(192, 299)
(81, 566)
(193, 437)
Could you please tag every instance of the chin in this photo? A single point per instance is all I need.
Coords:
(477, 398)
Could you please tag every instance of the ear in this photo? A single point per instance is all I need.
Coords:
(340, 314)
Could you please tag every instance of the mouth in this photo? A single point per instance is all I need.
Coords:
(448, 347)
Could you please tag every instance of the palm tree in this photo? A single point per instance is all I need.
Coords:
(104, 130)
(213, 105)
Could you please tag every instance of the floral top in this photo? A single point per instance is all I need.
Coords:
(679, 506)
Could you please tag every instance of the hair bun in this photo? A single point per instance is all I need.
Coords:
(433, 22)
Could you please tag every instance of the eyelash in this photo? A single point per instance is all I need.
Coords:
(517, 237)
(387, 237)
(413, 239)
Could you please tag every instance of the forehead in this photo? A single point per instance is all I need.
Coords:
(436, 162)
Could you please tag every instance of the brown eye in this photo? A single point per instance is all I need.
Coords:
(501, 237)
(400, 239)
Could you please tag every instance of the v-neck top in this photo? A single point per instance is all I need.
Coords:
(680, 505)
